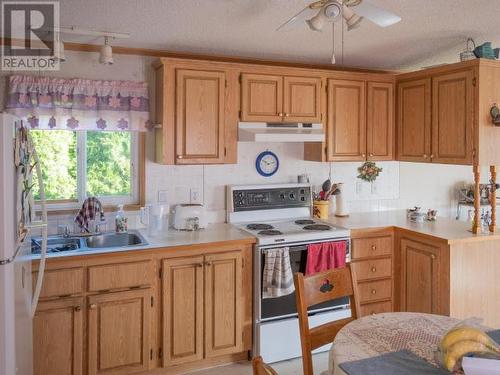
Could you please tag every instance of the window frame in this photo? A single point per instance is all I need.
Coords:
(137, 167)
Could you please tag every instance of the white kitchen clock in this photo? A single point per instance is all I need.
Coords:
(267, 163)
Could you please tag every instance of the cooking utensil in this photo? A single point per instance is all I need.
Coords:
(327, 185)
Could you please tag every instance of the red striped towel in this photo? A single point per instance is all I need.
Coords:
(325, 256)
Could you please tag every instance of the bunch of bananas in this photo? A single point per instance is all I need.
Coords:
(465, 340)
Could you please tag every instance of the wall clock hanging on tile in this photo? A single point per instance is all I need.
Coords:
(267, 163)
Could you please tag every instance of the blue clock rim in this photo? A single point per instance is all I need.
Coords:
(260, 157)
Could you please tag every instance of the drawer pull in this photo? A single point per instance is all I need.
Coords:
(93, 306)
(372, 313)
(374, 247)
(199, 265)
(374, 269)
(208, 264)
(374, 291)
(78, 308)
(433, 256)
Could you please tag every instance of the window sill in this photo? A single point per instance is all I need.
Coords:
(74, 211)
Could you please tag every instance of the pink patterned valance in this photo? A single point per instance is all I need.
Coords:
(79, 104)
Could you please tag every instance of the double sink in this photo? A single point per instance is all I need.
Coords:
(59, 243)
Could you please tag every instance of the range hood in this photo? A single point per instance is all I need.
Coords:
(280, 132)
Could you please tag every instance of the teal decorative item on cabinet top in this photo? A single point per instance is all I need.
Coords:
(484, 51)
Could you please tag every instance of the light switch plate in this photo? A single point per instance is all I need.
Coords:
(163, 196)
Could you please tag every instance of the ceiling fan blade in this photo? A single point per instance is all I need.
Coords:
(377, 15)
(299, 19)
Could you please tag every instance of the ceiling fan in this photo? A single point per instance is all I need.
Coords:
(319, 13)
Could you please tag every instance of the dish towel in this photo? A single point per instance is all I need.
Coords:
(90, 209)
(277, 280)
(325, 256)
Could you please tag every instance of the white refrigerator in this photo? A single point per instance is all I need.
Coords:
(18, 300)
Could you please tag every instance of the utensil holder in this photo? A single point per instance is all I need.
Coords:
(321, 209)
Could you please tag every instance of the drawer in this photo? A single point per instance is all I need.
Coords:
(372, 269)
(375, 290)
(62, 282)
(375, 308)
(371, 247)
(119, 276)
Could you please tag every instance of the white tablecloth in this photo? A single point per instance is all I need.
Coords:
(373, 335)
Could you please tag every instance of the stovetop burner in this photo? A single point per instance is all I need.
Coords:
(317, 227)
(270, 232)
(259, 226)
(304, 222)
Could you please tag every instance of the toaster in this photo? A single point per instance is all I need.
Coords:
(190, 217)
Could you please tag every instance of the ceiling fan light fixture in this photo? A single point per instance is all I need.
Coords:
(328, 13)
(352, 20)
(106, 53)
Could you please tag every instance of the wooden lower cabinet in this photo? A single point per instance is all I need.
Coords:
(202, 307)
(118, 332)
(223, 305)
(167, 310)
(58, 337)
(421, 271)
(373, 268)
(182, 310)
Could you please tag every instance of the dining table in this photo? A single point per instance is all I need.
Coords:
(375, 335)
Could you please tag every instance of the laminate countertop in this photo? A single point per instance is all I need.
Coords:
(213, 233)
(446, 229)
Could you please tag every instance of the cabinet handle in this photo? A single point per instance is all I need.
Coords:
(374, 269)
(199, 265)
(208, 264)
(433, 256)
(179, 156)
(371, 155)
(363, 155)
(374, 247)
(372, 313)
(374, 291)
(432, 156)
(287, 114)
(424, 156)
(281, 114)
(93, 306)
(78, 308)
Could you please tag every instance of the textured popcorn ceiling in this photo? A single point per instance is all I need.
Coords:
(246, 28)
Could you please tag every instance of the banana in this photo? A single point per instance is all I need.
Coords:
(457, 350)
(467, 334)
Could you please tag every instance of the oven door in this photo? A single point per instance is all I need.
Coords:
(281, 307)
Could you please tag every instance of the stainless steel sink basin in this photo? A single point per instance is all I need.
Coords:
(115, 240)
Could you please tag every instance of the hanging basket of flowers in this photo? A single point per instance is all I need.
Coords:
(369, 171)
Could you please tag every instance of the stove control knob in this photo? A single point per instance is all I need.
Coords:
(282, 195)
(292, 195)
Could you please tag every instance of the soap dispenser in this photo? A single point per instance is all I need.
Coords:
(121, 220)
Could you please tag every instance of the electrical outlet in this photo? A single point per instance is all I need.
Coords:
(195, 196)
(359, 187)
(374, 188)
(163, 196)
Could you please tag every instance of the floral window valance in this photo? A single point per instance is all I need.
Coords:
(79, 104)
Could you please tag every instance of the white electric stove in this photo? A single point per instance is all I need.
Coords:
(280, 216)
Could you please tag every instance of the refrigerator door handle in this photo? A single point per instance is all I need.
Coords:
(43, 255)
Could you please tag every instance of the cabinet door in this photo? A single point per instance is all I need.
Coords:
(414, 120)
(420, 277)
(452, 118)
(118, 332)
(58, 337)
(380, 121)
(302, 99)
(223, 304)
(182, 310)
(261, 98)
(346, 130)
(200, 116)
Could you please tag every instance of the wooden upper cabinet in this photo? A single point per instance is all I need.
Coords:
(119, 332)
(452, 118)
(346, 127)
(182, 310)
(276, 98)
(414, 120)
(302, 99)
(261, 98)
(58, 337)
(223, 304)
(420, 277)
(380, 121)
(200, 112)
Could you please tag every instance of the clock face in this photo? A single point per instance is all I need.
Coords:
(267, 163)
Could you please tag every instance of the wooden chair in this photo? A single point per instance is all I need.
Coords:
(260, 368)
(315, 289)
